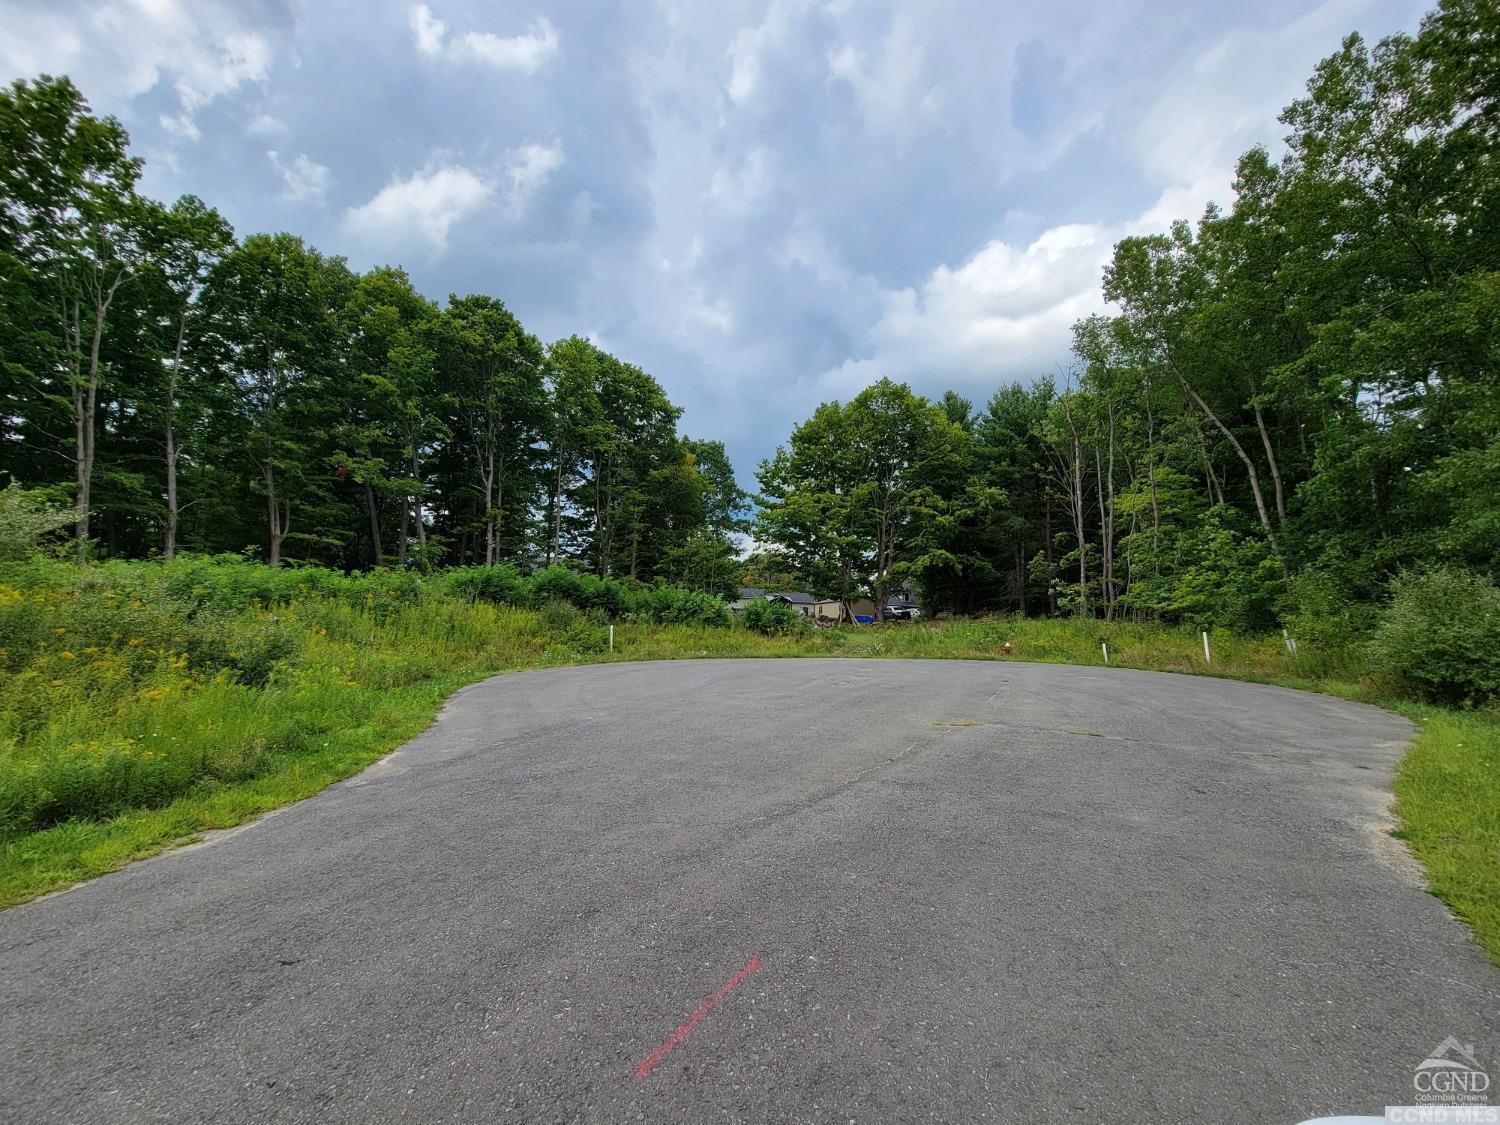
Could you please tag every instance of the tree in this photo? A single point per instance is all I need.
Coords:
(495, 370)
(846, 500)
(273, 303)
(67, 197)
(182, 245)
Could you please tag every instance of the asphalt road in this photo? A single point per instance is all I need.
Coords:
(920, 891)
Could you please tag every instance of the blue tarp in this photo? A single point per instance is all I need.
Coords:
(864, 619)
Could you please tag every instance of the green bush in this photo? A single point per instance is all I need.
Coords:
(1439, 638)
(674, 605)
(28, 519)
(773, 618)
(559, 617)
(1319, 612)
(500, 584)
(604, 599)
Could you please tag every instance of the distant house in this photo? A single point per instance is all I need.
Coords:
(898, 608)
(805, 604)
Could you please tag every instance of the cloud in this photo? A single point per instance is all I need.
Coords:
(306, 180)
(526, 53)
(266, 125)
(751, 45)
(426, 203)
(124, 48)
(739, 191)
(527, 170)
(1004, 310)
(890, 89)
(1226, 97)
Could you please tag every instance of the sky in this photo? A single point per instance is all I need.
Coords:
(765, 205)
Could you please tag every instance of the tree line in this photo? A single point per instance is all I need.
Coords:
(1294, 400)
(186, 389)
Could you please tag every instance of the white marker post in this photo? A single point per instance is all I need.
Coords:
(1105, 649)
(611, 638)
(1207, 656)
(1291, 645)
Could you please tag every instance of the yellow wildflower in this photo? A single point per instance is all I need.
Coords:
(134, 642)
(66, 655)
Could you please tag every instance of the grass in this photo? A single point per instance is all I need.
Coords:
(1448, 803)
(142, 705)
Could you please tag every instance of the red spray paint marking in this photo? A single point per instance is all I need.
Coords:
(648, 1064)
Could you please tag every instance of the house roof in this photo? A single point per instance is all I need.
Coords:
(795, 597)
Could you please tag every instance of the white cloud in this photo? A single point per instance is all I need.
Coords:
(306, 180)
(426, 203)
(737, 192)
(527, 170)
(526, 53)
(265, 125)
(750, 45)
(1004, 311)
(889, 87)
(428, 30)
(120, 49)
(1227, 97)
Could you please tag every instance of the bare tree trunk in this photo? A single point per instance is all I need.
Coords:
(1265, 439)
(279, 517)
(1107, 519)
(1047, 546)
(489, 499)
(556, 513)
(1021, 576)
(1245, 458)
(1151, 478)
(1077, 501)
(376, 554)
(416, 476)
(1210, 478)
(403, 531)
(83, 463)
(169, 530)
(497, 518)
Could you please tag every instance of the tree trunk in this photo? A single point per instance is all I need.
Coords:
(1109, 525)
(376, 554)
(1047, 547)
(278, 517)
(1077, 499)
(556, 514)
(1245, 458)
(1021, 576)
(403, 532)
(1151, 478)
(169, 530)
(1265, 438)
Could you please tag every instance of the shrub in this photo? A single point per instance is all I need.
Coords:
(677, 606)
(1319, 612)
(586, 591)
(559, 617)
(773, 618)
(503, 583)
(27, 520)
(1439, 638)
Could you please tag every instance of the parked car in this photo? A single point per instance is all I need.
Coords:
(902, 613)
